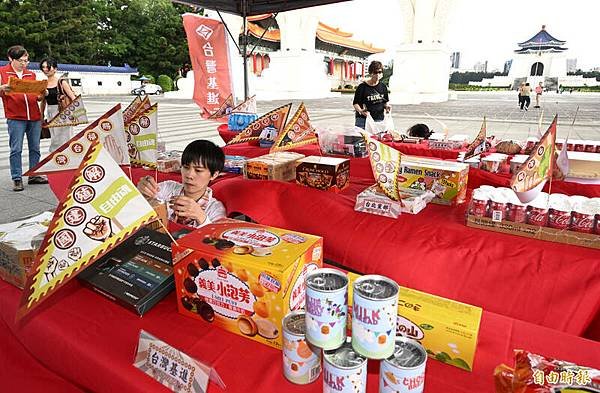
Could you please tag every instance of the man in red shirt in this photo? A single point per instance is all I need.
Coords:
(22, 116)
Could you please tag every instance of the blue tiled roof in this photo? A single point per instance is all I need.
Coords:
(35, 66)
(542, 38)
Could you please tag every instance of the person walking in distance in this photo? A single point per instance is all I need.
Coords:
(23, 116)
(538, 94)
(525, 93)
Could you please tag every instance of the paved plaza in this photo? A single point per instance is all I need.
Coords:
(179, 123)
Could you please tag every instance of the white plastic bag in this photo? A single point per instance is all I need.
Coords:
(380, 128)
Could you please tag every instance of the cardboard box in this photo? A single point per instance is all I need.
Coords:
(565, 236)
(17, 251)
(372, 200)
(169, 161)
(323, 173)
(244, 277)
(274, 166)
(446, 328)
(137, 274)
(446, 179)
(234, 164)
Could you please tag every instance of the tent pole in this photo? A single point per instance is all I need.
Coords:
(245, 47)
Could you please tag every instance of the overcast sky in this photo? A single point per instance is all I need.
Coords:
(482, 29)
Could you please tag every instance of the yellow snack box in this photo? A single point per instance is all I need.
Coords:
(446, 328)
(244, 277)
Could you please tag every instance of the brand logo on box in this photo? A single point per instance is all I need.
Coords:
(252, 236)
(228, 295)
(406, 327)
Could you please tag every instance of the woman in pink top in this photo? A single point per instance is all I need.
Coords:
(538, 94)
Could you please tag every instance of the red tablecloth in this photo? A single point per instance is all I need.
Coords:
(81, 340)
(550, 284)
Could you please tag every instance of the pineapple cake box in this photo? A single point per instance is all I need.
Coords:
(244, 277)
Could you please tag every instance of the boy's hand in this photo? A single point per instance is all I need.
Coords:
(148, 186)
(187, 207)
(4, 89)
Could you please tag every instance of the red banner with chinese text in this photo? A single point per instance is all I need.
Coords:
(207, 43)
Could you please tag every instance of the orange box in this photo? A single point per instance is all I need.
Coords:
(244, 277)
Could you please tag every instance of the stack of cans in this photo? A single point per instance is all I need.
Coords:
(375, 302)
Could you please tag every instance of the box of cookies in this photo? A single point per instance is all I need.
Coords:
(323, 173)
(244, 277)
(275, 166)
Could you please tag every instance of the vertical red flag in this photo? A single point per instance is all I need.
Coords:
(207, 42)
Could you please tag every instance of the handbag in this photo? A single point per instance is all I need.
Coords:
(45, 134)
(63, 99)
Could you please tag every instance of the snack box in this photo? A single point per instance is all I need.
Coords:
(274, 166)
(323, 173)
(244, 277)
(372, 200)
(234, 164)
(446, 328)
(17, 248)
(169, 161)
(137, 274)
(446, 179)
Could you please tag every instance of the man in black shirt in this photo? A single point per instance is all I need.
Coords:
(371, 96)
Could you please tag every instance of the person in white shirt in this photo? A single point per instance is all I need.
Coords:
(191, 203)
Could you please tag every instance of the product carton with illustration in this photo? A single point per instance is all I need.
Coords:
(244, 277)
(446, 179)
(446, 328)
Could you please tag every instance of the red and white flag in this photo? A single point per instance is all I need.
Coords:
(209, 53)
(297, 132)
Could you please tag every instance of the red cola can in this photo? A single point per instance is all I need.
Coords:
(579, 146)
(598, 148)
(582, 222)
(559, 219)
(479, 207)
(517, 213)
(597, 225)
(538, 216)
(497, 210)
(570, 146)
(559, 144)
(590, 147)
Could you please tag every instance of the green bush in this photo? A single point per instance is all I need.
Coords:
(165, 82)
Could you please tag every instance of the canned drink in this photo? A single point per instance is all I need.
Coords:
(326, 308)
(301, 360)
(590, 146)
(479, 207)
(578, 145)
(583, 222)
(517, 213)
(559, 219)
(344, 370)
(538, 216)
(498, 210)
(374, 315)
(404, 371)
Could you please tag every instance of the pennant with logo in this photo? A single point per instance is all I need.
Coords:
(108, 129)
(385, 163)
(297, 132)
(223, 110)
(142, 135)
(531, 177)
(265, 127)
(135, 109)
(248, 106)
(478, 146)
(74, 114)
(102, 208)
(209, 54)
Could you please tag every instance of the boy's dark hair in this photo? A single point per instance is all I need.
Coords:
(375, 66)
(16, 52)
(420, 131)
(50, 62)
(206, 153)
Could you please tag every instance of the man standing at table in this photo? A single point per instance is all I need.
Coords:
(22, 116)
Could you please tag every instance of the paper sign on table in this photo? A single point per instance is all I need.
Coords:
(173, 368)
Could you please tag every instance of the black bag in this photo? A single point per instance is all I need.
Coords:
(45, 134)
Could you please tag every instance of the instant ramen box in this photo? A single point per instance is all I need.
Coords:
(244, 277)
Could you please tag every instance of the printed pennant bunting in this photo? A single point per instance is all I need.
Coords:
(248, 106)
(478, 146)
(223, 110)
(529, 180)
(107, 129)
(74, 114)
(102, 208)
(135, 109)
(265, 127)
(385, 163)
(142, 136)
(297, 132)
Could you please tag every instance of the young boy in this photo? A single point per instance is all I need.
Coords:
(192, 202)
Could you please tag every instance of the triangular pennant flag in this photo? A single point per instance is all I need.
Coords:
(478, 146)
(102, 208)
(223, 110)
(131, 109)
(74, 114)
(529, 180)
(108, 129)
(142, 135)
(385, 163)
(539, 130)
(562, 161)
(248, 106)
(297, 132)
(143, 106)
(269, 124)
